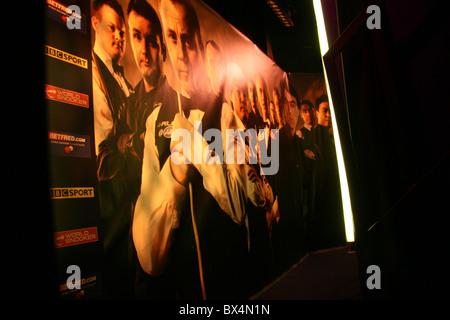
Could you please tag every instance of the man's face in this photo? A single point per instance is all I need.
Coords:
(181, 43)
(306, 113)
(323, 114)
(239, 100)
(292, 112)
(261, 93)
(110, 32)
(251, 91)
(146, 47)
(214, 68)
(276, 102)
(273, 116)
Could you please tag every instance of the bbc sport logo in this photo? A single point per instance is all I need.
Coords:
(65, 56)
(71, 193)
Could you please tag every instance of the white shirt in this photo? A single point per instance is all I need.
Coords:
(160, 202)
(103, 121)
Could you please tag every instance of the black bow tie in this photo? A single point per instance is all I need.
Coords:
(118, 69)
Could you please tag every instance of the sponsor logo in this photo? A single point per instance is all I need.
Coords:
(84, 287)
(70, 16)
(64, 56)
(168, 131)
(165, 129)
(71, 193)
(75, 237)
(69, 144)
(66, 96)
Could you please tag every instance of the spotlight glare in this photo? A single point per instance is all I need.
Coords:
(346, 203)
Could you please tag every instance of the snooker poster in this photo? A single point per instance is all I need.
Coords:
(185, 163)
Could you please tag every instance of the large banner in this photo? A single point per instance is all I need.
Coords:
(72, 178)
(216, 169)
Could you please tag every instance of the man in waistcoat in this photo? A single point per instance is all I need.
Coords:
(110, 88)
(188, 222)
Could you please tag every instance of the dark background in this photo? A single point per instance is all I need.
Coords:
(397, 140)
(396, 110)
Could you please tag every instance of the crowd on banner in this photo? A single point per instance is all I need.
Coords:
(204, 229)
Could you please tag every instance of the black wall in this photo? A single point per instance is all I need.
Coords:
(397, 100)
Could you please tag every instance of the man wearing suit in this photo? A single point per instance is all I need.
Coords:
(110, 88)
(199, 250)
(288, 229)
(110, 93)
(327, 225)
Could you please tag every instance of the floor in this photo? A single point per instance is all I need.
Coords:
(330, 274)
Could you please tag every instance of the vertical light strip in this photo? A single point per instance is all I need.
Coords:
(347, 207)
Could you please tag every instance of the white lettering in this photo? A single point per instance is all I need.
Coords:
(196, 310)
(374, 281)
(73, 22)
(374, 21)
(73, 281)
(235, 147)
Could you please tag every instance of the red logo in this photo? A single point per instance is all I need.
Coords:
(66, 96)
(75, 237)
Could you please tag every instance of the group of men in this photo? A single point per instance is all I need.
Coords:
(202, 229)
